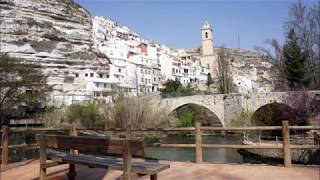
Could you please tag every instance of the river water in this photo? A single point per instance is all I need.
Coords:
(209, 154)
(174, 154)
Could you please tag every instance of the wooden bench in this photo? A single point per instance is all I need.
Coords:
(95, 152)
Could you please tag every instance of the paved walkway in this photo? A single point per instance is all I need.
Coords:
(29, 170)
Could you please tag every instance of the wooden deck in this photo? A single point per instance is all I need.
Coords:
(29, 170)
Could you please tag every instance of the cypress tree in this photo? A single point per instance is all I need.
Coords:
(295, 63)
(209, 80)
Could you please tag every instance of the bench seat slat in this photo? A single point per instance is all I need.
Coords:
(147, 168)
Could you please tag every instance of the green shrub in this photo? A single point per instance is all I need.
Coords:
(174, 88)
(54, 117)
(189, 114)
(243, 121)
(87, 115)
(135, 112)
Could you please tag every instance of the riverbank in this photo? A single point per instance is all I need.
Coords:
(28, 170)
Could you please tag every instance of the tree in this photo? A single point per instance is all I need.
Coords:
(305, 21)
(295, 63)
(174, 88)
(225, 81)
(274, 56)
(171, 86)
(306, 24)
(209, 80)
(21, 83)
(306, 105)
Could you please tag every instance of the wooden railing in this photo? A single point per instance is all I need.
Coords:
(198, 129)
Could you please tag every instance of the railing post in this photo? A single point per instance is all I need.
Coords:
(73, 132)
(5, 144)
(43, 156)
(127, 160)
(286, 144)
(198, 143)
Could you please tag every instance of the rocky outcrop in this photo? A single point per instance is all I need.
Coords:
(55, 33)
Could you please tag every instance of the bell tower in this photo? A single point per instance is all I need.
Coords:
(207, 44)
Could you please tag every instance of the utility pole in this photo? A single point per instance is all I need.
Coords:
(238, 41)
(137, 84)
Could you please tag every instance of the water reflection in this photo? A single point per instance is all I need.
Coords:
(188, 154)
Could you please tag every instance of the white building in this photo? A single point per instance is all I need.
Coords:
(140, 66)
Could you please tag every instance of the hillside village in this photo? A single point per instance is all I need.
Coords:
(142, 66)
(92, 57)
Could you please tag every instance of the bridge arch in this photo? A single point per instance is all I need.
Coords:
(274, 113)
(212, 103)
(209, 117)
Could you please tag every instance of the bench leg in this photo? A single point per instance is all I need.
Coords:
(43, 173)
(72, 172)
(133, 176)
(154, 177)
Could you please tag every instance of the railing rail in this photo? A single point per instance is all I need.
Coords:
(198, 129)
(258, 128)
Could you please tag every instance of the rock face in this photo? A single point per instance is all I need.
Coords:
(55, 33)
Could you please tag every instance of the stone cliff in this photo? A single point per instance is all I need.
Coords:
(56, 34)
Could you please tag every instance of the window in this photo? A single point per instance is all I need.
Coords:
(141, 79)
(91, 74)
(77, 75)
(107, 75)
(119, 70)
(206, 34)
(155, 79)
(105, 85)
(86, 74)
(28, 91)
(101, 75)
(208, 66)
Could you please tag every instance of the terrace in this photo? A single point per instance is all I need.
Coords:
(198, 169)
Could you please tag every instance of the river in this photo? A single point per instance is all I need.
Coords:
(175, 154)
(209, 155)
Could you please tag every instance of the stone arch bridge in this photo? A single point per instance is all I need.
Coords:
(229, 106)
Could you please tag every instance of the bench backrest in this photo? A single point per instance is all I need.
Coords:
(95, 145)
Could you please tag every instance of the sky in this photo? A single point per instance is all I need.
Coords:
(177, 23)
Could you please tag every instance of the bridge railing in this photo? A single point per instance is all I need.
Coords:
(198, 130)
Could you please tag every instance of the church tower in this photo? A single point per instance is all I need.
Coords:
(207, 44)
